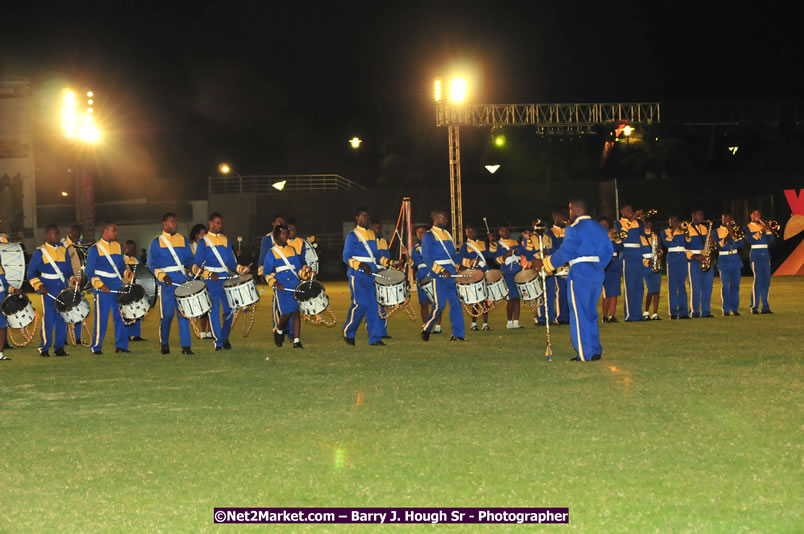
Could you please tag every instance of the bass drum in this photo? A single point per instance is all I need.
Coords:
(145, 278)
(12, 258)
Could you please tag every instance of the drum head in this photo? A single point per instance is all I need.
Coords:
(237, 280)
(389, 277)
(190, 288)
(493, 275)
(12, 258)
(470, 276)
(130, 293)
(424, 281)
(67, 300)
(308, 290)
(145, 278)
(14, 303)
(525, 275)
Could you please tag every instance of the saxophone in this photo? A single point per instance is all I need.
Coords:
(655, 253)
(709, 249)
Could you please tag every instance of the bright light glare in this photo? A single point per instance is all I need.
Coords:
(90, 94)
(733, 150)
(90, 101)
(65, 193)
(89, 133)
(279, 186)
(224, 168)
(499, 140)
(492, 168)
(355, 142)
(628, 131)
(437, 90)
(457, 90)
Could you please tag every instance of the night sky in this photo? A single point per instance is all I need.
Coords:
(281, 88)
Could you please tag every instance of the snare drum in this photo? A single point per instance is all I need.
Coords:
(311, 297)
(528, 284)
(390, 287)
(496, 286)
(471, 286)
(72, 305)
(241, 291)
(426, 285)
(18, 310)
(133, 302)
(193, 299)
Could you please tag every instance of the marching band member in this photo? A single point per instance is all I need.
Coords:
(729, 264)
(384, 252)
(613, 274)
(475, 255)
(268, 240)
(422, 271)
(532, 251)
(674, 240)
(509, 253)
(587, 248)
(215, 259)
(70, 241)
(631, 261)
(107, 272)
(49, 272)
(653, 281)
(5, 290)
(130, 258)
(169, 258)
(284, 268)
(197, 233)
(700, 281)
(438, 251)
(759, 235)
(559, 283)
(360, 253)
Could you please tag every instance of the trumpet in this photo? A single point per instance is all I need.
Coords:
(685, 226)
(642, 214)
(737, 231)
(614, 234)
(773, 225)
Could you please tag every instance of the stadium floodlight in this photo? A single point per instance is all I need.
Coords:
(279, 186)
(65, 194)
(627, 130)
(90, 94)
(457, 90)
(224, 168)
(355, 142)
(437, 90)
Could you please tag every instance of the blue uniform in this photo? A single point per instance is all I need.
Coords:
(421, 271)
(532, 251)
(475, 250)
(558, 292)
(361, 247)
(653, 281)
(75, 261)
(676, 272)
(265, 245)
(162, 263)
(214, 252)
(729, 263)
(587, 248)
(700, 281)
(633, 267)
(106, 266)
(511, 265)
(438, 252)
(283, 265)
(760, 264)
(3, 287)
(384, 252)
(613, 271)
(50, 266)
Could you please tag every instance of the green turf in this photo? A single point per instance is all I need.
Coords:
(683, 426)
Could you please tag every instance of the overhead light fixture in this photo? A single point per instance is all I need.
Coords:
(733, 150)
(355, 142)
(224, 168)
(492, 168)
(627, 130)
(437, 90)
(279, 186)
(65, 193)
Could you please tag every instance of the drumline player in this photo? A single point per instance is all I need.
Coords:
(214, 259)
(131, 261)
(170, 258)
(196, 234)
(106, 270)
(361, 254)
(5, 290)
(508, 255)
(421, 272)
(475, 254)
(49, 272)
(283, 269)
(70, 241)
(384, 252)
(440, 256)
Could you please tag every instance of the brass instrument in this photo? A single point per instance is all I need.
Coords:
(655, 253)
(709, 248)
(642, 215)
(614, 234)
(773, 225)
(685, 226)
(737, 231)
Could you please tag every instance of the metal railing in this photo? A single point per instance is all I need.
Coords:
(280, 182)
(547, 115)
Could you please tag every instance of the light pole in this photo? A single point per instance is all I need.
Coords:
(80, 127)
(457, 95)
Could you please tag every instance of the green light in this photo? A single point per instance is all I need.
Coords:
(499, 140)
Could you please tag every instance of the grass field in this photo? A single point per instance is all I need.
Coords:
(684, 426)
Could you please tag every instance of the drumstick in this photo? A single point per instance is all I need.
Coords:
(486, 222)
(57, 299)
